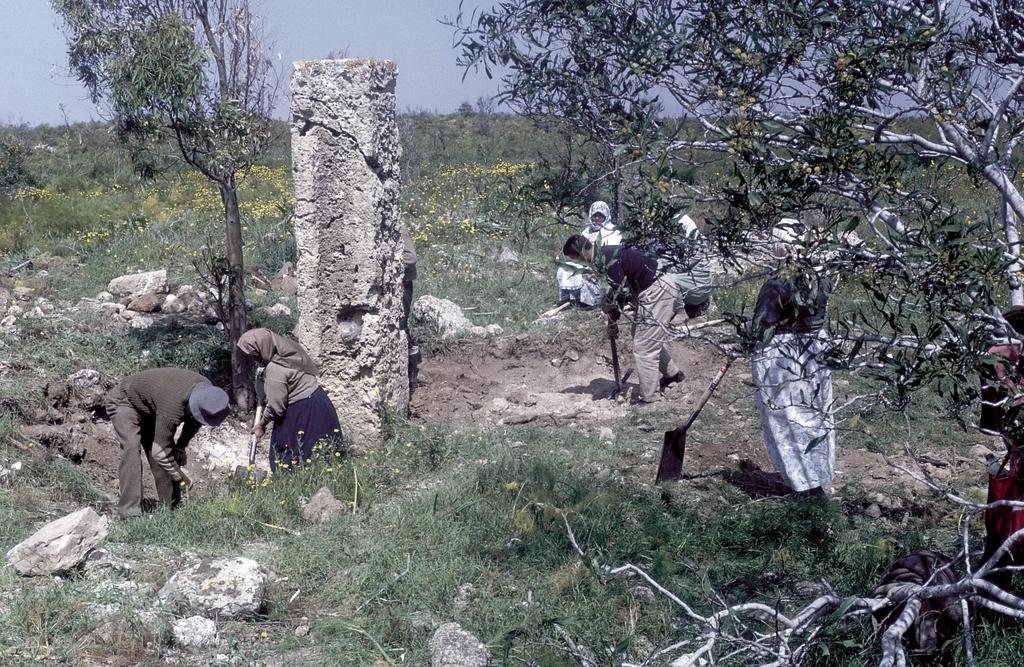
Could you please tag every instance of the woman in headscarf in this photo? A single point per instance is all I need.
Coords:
(600, 228)
(793, 388)
(299, 408)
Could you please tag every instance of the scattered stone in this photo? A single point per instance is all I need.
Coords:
(59, 545)
(8, 321)
(606, 434)
(277, 310)
(508, 256)
(494, 330)
(500, 404)
(503, 348)
(421, 620)
(642, 593)
(141, 322)
(137, 284)
(36, 313)
(443, 315)
(285, 280)
(572, 354)
(302, 631)
(451, 646)
(981, 454)
(463, 597)
(102, 561)
(873, 511)
(172, 305)
(889, 503)
(323, 507)
(223, 587)
(15, 310)
(104, 297)
(44, 305)
(478, 332)
(23, 294)
(145, 303)
(810, 589)
(195, 632)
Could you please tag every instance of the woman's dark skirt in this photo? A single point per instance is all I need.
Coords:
(308, 430)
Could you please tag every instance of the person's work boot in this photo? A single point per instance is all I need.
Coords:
(667, 382)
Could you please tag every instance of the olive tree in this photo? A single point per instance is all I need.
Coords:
(196, 73)
(890, 127)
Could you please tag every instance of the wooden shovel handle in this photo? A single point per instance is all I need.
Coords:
(707, 392)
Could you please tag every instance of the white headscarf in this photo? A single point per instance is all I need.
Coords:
(605, 233)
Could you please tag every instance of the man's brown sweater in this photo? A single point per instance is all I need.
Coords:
(160, 397)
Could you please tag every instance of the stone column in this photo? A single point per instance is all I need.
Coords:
(345, 154)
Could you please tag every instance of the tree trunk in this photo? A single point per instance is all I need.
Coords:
(241, 371)
(1014, 270)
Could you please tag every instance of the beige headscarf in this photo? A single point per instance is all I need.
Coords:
(271, 348)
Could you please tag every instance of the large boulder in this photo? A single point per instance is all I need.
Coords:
(323, 507)
(451, 646)
(137, 284)
(218, 587)
(443, 315)
(61, 544)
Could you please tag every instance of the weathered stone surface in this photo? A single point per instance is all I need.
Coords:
(60, 545)
(443, 315)
(195, 632)
(145, 303)
(323, 507)
(137, 284)
(277, 310)
(87, 387)
(221, 587)
(285, 280)
(451, 646)
(102, 561)
(345, 166)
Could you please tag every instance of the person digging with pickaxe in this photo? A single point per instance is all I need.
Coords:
(633, 276)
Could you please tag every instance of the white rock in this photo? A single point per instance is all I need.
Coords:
(15, 310)
(451, 646)
(86, 378)
(172, 305)
(137, 284)
(222, 587)
(508, 256)
(606, 434)
(60, 545)
(104, 297)
(184, 289)
(141, 321)
(195, 632)
(442, 314)
(277, 310)
(494, 330)
(478, 332)
(8, 321)
(36, 313)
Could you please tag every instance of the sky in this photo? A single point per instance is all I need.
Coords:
(34, 80)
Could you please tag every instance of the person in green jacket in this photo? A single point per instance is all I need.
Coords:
(146, 410)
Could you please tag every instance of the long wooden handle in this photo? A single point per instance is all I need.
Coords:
(707, 392)
(252, 444)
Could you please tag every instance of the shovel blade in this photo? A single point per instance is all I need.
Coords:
(672, 450)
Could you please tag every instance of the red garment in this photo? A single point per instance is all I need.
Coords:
(1002, 389)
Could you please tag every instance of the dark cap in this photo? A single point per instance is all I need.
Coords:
(208, 404)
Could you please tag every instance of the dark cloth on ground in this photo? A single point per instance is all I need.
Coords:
(301, 429)
(939, 619)
(146, 410)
